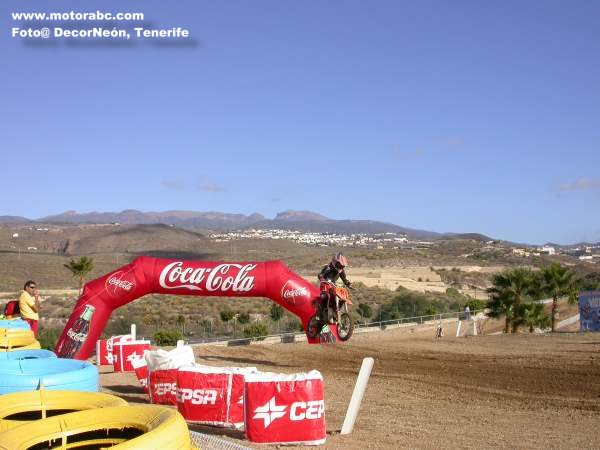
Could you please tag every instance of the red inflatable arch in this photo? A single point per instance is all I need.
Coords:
(146, 275)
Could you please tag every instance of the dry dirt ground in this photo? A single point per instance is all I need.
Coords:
(517, 391)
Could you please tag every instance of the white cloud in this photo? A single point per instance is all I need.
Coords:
(174, 185)
(211, 187)
(581, 184)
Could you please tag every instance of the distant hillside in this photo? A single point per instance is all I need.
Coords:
(306, 221)
(13, 219)
(473, 236)
(182, 219)
(84, 239)
(343, 227)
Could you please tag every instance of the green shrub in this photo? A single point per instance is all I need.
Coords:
(365, 310)
(276, 312)
(167, 337)
(47, 337)
(431, 310)
(476, 305)
(226, 315)
(452, 292)
(243, 318)
(257, 331)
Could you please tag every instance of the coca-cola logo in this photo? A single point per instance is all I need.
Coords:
(79, 337)
(294, 293)
(220, 278)
(120, 280)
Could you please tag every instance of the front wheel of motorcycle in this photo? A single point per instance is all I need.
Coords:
(345, 327)
(314, 327)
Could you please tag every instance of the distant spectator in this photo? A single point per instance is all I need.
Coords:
(29, 305)
(439, 332)
(467, 313)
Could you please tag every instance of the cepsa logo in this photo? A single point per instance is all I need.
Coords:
(294, 294)
(119, 280)
(165, 388)
(197, 396)
(271, 411)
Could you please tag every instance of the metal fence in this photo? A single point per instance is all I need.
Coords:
(210, 442)
(382, 325)
(419, 320)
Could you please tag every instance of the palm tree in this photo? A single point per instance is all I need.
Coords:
(511, 289)
(534, 316)
(500, 305)
(80, 269)
(558, 281)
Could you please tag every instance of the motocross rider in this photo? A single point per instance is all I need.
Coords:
(330, 273)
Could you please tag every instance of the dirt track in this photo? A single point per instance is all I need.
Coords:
(522, 391)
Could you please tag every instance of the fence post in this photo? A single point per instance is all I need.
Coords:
(357, 395)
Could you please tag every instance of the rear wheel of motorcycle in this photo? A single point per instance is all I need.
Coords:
(314, 327)
(345, 327)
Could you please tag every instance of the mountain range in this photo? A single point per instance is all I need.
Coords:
(306, 221)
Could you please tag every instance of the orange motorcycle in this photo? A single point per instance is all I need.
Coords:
(332, 309)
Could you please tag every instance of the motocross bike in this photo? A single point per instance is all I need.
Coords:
(332, 312)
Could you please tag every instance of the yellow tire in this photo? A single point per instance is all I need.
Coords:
(20, 407)
(18, 343)
(143, 427)
(13, 333)
(9, 344)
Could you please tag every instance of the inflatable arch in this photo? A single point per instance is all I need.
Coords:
(146, 275)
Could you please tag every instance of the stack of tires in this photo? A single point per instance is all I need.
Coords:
(50, 402)
(16, 335)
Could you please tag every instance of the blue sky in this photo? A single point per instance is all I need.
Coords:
(462, 116)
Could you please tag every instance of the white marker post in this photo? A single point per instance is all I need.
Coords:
(133, 331)
(357, 395)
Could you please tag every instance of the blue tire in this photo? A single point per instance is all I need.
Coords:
(26, 354)
(15, 323)
(51, 373)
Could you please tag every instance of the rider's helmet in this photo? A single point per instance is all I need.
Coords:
(339, 261)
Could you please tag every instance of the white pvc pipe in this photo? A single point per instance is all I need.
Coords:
(133, 331)
(458, 328)
(357, 395)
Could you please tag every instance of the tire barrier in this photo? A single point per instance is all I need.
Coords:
(120, 428)
(285, 409)
(23, 340)
(162, 372)
(14, 323)
(17, 333)
(47, 373)
(26, 354)
(21, 407)
(212, 395)
(125, 352)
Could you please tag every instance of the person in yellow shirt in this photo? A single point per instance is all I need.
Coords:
(29, 305)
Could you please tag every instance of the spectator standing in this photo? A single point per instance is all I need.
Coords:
(29, 305)
(467, 313)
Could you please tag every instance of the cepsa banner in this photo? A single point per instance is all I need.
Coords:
(285, 409)
(212, 395)
(589, 311)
